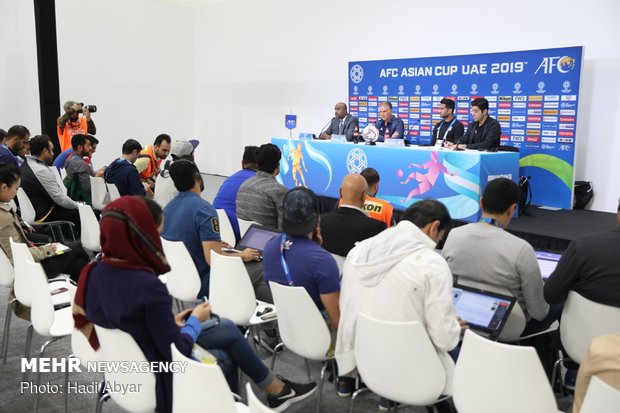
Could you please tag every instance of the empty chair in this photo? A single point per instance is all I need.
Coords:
(90, 228)
(116, 345)
(99, 192)
(7, 277)
(256, 406)
(231, 292)
(600, 398)
(46, 320)
(113, 191)
(582, 320)
(226, 230)
(201, 386)
(183, 280)
(491, 377)
(399, 373)
(302, 327)
(244, 225)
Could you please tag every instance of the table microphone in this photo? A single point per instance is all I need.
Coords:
(456, 146)
(325, 127)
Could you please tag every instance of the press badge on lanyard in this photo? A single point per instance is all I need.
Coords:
(287, 272)
(439, 142)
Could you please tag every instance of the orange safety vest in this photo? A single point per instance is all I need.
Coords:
(71, 128)
(379, 209)
(153, 166)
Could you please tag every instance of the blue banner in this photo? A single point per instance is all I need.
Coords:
(407, 174)
(533, 94)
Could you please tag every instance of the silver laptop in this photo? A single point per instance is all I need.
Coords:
(484, 311)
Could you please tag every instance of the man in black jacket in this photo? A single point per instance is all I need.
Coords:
(349, 224)
(484, 132)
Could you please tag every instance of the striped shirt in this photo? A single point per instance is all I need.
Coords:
(260, 199)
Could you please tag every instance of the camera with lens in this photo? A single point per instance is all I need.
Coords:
(91, 108)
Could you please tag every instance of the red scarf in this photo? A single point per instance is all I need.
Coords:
(129, 239)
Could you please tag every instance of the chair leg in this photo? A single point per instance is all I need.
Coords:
(100, 401)
(323, 370)
(66, 395)
(5, 335)
(41, 353)
(308, 369)
(354, 396)
(27, 349)
(555, 375)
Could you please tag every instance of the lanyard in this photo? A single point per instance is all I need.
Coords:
(448, 130)
(491, 221)
(287, 272)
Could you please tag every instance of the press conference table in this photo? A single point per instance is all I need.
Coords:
(408, 174)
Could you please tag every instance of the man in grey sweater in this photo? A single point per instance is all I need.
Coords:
(484, 252)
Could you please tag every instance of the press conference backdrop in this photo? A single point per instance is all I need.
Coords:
(533, 94)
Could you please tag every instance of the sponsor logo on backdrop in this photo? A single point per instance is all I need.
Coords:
(565, 133)
(550, 119)
(519, 104)
(362, 97)
(425, 110)
(425, 116)
(534, 111)
(517, 88)
(568, 98)
(519, 111)
(385, 90)
(518, 118)
(474, 89)
(566, 86)
(356, 73)
(552, 98)
(503, 118)
(502, 104)
(369, 91)
(532, 132)
(549, 133)
(517, 138)
(372, 98)
(462, 117)
(374, 104)
(435, 89)
(454, 90)
(364, 109)
(414, 104)
(363, 119)
(568, 105)
(536, 98)
(567, 126)
(401, 90)
(567, 119)
(418, 89)
(382, 98)
(425, 134)
(532, 139)
(519, 98)
(534, 105)
(562, 64)
(541, 87)
(403, 98)
(491, 98)
(534, 119)
(517, 132)
(506, 98)
(503, 111)
(566, 140)
(551, 105)
(355, 90)
(548, 140)
(460, 98)
(427, 98)
(566, 147)
(354, 113)
(353, 103)
(495, 88)
(356, 161)
(550, 112)
(518, 125)
(504, 125)
(364, 103)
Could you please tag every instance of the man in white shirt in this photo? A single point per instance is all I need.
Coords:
(398, 276)
(165, 190)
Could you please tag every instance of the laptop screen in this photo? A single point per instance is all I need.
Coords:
(483, 310)
(547, 262)
(257, 237)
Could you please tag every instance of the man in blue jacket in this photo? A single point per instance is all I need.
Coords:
(123, 173)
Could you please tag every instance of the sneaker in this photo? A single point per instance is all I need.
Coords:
(290, 394)
(345, 386)
(385, 404)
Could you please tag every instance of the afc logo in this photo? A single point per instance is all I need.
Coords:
(563, 64)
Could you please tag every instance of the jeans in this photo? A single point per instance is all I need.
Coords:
(229, 346)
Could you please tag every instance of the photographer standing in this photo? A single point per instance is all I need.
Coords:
(71, 123)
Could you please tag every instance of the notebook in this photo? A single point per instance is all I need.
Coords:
(547, 262)
(484, 311)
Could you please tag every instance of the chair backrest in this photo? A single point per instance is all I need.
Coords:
(256, 406)
(490, 374)
(302, 327)
(113, 190)
(200, 385)
(90, 228)
(339, 261)
(21, 255)
(231, 292)
(226, 230)
(183, 280)
(7, 274)
(59, 179)
(13, 205)
(244, 225)
(25, 206)
(582, 320)
(99, 191)
(398, 361)
(42, 311)
(116, 345)
(81, 348)
(601, 398)
(516, 320)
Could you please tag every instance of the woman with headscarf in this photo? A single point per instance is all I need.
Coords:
(122, 291)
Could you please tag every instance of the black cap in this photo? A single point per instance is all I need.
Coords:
(300, 212)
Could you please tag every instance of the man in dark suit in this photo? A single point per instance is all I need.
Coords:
(341, 124)
(342, 228)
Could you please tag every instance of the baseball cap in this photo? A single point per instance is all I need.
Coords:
(300, 212)
(183, 148)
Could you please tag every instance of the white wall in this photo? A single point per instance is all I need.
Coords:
(256, 59)
(19, 86)
(226, 71)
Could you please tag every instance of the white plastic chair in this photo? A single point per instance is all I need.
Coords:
(256, 406)
(226, 230)
(231, 292)
(113, 191)
(491, 377)
(116, 345)
(28, 214)
(582, 320)
(47, 322)
(201, 385)
(90, 228)
(600, 398)
(99, 192)
(244, 225)
(398, 361)
(82, 350)
(183, 280)
(302, 328)
(339, 261)
(7, 277)
(13, 205)
(59, 178)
